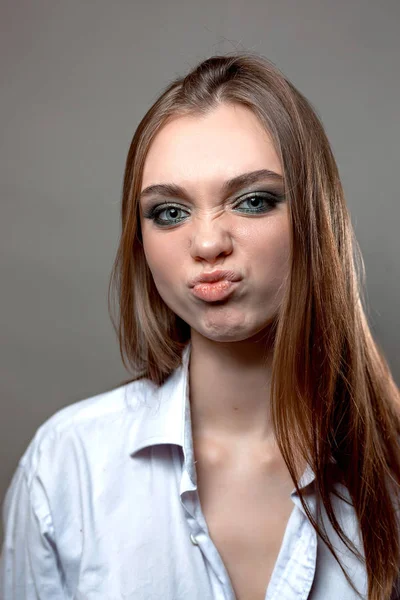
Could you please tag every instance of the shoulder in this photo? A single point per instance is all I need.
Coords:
(82, 428)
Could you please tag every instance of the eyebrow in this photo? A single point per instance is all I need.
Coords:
(229, 187)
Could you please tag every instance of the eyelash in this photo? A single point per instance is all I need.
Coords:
(154, 212)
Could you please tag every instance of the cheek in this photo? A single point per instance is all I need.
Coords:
(269, 249)
(162, 258)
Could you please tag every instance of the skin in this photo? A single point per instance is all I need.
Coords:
(230, 364)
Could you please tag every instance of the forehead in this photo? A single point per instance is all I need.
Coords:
(209, 149)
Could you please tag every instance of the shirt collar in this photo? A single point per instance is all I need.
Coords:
(167, 419)
(161, 412)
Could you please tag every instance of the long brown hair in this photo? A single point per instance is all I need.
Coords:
(333, 397)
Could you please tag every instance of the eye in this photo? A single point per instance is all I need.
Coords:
(260, 202)
(155, 212)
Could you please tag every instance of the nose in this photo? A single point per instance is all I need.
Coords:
(210, 243)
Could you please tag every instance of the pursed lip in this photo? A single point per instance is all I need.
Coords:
(215, 276)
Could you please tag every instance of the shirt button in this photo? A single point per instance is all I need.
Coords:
(193, 540)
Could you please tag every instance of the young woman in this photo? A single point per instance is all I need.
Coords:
(255, 455)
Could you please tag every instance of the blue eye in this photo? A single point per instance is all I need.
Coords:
(257, 198)
(260, 202)
(155, 213)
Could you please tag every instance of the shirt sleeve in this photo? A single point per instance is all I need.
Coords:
(29, 564)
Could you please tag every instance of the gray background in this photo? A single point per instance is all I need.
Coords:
(76, 78)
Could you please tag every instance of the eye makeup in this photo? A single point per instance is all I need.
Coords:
(265, 201)
(229, 187)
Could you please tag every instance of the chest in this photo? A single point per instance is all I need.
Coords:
(246, 514)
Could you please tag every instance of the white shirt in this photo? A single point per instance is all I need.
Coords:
(104, 506)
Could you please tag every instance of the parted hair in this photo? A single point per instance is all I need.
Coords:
(333, 398)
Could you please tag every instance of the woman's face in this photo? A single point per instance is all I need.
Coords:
(205, 227)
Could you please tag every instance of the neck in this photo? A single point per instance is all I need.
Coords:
(229, 386)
